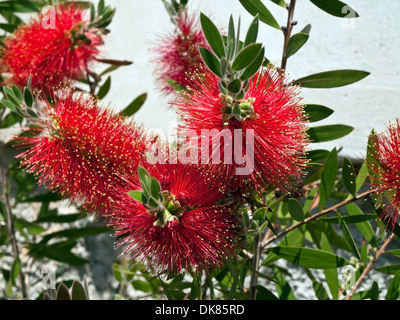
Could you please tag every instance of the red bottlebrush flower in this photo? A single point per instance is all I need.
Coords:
(186, 231)
(177, 54)
(266, 140)
(55, 53)
(81, 149)
(384, 169)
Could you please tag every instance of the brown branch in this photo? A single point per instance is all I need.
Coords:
(10, 224)
(287, 32)
(317, 215)
(370, 265)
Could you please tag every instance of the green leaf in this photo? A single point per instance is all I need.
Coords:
(393, 292)
(62, 292)
(309, 258)
(78, 292)
(211, 61)
(134, 106)
(281, 3)
(364, 226)
(317, 112)
(255, 7)
(104, 89)
(328, 178)
(331, 275)
(254, 66)
(285, 292)
(331, 79)
(349, 176)
(22, 6)
(75, 233)
(212, 35)
(348, 237)
(155, 188)
(8, 104)
(389, 269)
(11, 96)
(351, 219)
(234, 86)
(246, 56)
(17, 93)
(9, 27)
(296, 210)
(294, 238)
(295, 43)
(336, 8)
(252, 32)
(138, 196)
(10, 119)
(328, 132)
(264, 294)
(395, 252)
(28, 97)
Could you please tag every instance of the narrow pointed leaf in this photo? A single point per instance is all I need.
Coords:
(295, 43)
(104, 89)
(328, 178)
(246, 56)
(62, 292)
(348, 237)
(254, 66)
(393, 292)
(317, 112)
(211, 61)
(349, 176)
(331, 79)
(252, 32)
(134, 106)
(78, 292)
(328, 132)
(296, 210)
(255, 7)
(28, 97)
(310, 258)
(212, 35)
(336, 8)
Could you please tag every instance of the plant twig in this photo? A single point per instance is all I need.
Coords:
(256, 267)
(317, 215)
(287, 32)
(370, 265)
(10, 224)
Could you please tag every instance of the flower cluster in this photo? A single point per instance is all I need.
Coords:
(55, 54)
(384, 168)
(184, 229)
(81, 149)
(272, 126)
(177, 56)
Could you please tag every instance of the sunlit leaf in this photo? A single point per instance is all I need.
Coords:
(331, 79)
(309, 258)
(255, 7)
(336, 8)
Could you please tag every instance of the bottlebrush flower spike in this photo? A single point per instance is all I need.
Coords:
(384, 170)
(55, 53)
(267, 130)
(177, 55)
(81, 149)
(180, 227)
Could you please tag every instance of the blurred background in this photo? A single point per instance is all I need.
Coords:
(370, 42)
